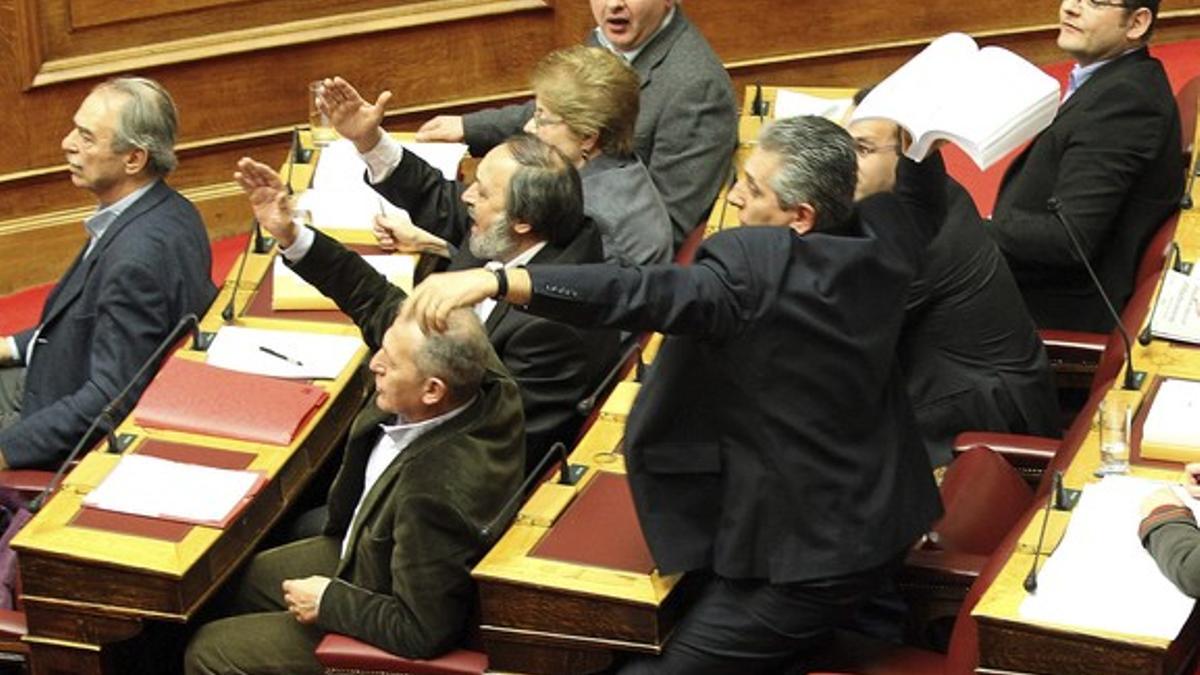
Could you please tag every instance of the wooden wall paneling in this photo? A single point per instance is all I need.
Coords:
(435, 55)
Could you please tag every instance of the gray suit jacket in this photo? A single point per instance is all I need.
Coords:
(686, 127)
(620, 197)
(104, 318)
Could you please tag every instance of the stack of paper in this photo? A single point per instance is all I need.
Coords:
(1176, 313)
(1170, 432)
(282, 353)
(987, 101)
(340, 199)
(1100, 577)
(790, 103)
(158, 488)
(292, 292)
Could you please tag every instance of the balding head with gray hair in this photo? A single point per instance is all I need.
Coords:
(457, 356)
(148, 120)
(818, 167)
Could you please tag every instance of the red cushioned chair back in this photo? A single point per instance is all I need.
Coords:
(1135, 312)
(984, 496)
(1156, 251)
(687, 249)
(963, 655)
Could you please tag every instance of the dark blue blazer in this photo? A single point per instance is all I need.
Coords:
(104, 318)
(772, 438)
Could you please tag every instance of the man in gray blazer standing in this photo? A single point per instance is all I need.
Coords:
(687, 125)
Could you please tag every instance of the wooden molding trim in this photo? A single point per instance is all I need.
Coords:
(40, 72)
(277, 133)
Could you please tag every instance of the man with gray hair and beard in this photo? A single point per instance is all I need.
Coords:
(771, 448)
(145, 265)
(526, 205)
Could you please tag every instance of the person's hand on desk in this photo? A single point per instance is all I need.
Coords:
(397, 233)
(268, 199)
(303, 597)
(6, 354)
(445, 128)
(432, 301)
(351, 115)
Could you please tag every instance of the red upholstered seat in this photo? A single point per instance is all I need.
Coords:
(984, 496)
(858, 655)
(342, 654)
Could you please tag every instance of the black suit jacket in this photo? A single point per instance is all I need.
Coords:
(971, 354)
(1112, 157)
(772, 437)
(405, 581)
(104, 318)
(555, 364)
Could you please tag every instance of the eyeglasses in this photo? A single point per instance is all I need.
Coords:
(865, 150)
(1098, 4)
(541, 119)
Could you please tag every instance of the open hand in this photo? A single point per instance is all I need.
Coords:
(268, 198)
(446, 128)
(350, 114)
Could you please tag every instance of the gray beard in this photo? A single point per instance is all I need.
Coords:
(496, 243)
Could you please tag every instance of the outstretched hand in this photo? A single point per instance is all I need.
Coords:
(268, 198)
(350, 114)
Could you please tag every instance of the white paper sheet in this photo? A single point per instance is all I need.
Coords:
(281, 353)
(790, 103)
(1100, 577)
(150, 486)
(1177, 310)
(1173, 414)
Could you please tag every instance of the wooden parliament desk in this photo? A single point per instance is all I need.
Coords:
(90, 588)
(571, 582)
(1009, 643)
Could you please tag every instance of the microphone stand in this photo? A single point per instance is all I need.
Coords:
(569, 474)
(1031, 581)
(200, 342)
(1133, 378)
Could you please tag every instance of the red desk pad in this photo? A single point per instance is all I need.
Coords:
(599, 528)
(157, 528)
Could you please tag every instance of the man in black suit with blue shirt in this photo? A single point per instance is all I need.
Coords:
(145, 265)
(771, 446)
(1112, 157)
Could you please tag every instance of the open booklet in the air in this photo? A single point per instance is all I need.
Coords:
(987, 101)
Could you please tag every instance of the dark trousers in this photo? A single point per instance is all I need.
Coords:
(262, 637)
(12, 389)
(751, 626)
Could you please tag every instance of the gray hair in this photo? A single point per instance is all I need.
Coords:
(819, 166)
(458, 356)
(545, 190)
(148, 120)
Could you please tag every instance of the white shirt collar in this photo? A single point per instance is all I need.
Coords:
(99, 222)
(633, 53)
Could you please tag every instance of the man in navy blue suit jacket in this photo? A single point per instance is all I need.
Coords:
(145, 265)
(771, 446)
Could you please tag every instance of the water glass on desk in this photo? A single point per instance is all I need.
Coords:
(1116, 417)
(322, 131)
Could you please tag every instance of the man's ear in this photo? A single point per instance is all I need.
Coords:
(804, 218)
(522, 228)
(135, 161)
(434, 391)
(1139, 22)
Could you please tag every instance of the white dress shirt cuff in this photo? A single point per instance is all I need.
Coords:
(13, 349)
(299, 248)
(383, 158)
